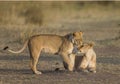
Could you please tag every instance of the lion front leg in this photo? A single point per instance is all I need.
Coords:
(84, 64)
(65, 65)
(68, 63)
(72, 59)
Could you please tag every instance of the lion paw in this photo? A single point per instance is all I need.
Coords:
(86, 71)
(38, 72)
(93, 71)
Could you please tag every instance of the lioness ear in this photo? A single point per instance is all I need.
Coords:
(81, 33)
(91, 44)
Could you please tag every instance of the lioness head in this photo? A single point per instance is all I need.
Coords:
(85, 47)
(75, 38)
(78, 36)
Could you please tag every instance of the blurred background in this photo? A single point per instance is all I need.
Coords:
(99, 20)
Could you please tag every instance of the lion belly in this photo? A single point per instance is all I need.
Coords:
(49, 50)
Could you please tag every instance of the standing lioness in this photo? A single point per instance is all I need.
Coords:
(62, 45)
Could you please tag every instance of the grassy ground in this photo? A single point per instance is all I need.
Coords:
(100, 24)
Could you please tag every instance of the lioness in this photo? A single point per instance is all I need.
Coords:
(87, 62)
(62, 45)
(89, 59)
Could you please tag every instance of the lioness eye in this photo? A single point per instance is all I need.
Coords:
(81, 46)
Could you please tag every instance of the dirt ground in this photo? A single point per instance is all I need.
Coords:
(15, 69)
(103, 30)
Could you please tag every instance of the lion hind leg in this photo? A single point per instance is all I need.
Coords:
(92, 69)
(34, 60)
(92, 65)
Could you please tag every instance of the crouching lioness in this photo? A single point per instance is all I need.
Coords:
(87, 62)
(62, 45)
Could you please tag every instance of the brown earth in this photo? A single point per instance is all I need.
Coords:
(15, 70)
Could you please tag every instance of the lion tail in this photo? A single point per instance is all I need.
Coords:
(19, 51)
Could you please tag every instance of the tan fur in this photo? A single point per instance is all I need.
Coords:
(79, 40)
(49, 43)
(87, 61)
